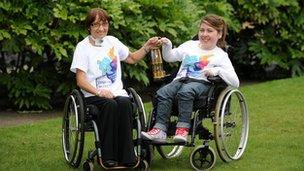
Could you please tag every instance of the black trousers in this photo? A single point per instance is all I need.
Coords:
(114, 122)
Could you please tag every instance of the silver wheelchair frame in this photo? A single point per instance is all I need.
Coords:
(78, 118)
(227, 109)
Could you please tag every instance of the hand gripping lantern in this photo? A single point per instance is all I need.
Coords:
(157, 64)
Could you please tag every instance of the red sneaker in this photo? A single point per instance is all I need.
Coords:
(181, 135)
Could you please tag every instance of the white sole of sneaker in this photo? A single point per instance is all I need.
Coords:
(159, 140)
(145, 136)
(179, 139)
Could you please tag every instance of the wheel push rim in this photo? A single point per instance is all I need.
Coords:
(234, 125)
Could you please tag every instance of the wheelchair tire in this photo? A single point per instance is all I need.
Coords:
(202, 158)
(88, 166)
(231, 124)
(147, 153)
(73, 128)
(140, 109)
(168, 152)
(143, 149)
(143, 166)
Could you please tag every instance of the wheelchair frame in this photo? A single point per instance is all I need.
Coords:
(227, 108)
(78, 119)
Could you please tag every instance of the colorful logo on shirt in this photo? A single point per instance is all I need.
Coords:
(195, 64)
(108, 65)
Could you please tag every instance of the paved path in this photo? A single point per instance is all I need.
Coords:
(11, 118)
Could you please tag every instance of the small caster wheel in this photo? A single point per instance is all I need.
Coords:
(202, 158)
(88, 166)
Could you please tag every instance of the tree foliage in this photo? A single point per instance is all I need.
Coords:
(37, 39)
(271, 36)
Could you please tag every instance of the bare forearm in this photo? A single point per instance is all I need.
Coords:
(137, 55)
(84, 84)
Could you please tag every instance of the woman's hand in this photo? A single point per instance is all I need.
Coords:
(143, 51)
(105, 93)
(151, 43)
(209, 72)
(164, 40)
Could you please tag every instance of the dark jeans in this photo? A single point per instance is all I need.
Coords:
(184, 92)
(114, 122)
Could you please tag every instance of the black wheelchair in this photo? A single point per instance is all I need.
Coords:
(227, 109)
(79, 118)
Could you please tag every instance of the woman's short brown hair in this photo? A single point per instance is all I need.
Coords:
(93, 13)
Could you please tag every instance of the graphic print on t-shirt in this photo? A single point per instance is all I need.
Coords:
(108, 67)
(193, 65)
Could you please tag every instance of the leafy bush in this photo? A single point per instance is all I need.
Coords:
(37, 39)
(271, 38)
(27, 92)
(42, 35)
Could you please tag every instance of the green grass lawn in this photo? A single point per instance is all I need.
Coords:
(276, 138)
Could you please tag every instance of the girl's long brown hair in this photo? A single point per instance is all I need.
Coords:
(220, 25)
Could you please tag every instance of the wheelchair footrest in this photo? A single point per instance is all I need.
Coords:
(168, 143)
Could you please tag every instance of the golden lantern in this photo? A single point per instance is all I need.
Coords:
(157, 64)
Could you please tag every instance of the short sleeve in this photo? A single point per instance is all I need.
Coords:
(123, 50)
(79, 60)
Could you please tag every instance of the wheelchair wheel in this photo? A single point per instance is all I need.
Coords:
(141, 149)
(168, 152)
(143, 166)
(202, 158)
(231, 126)
(140, 109)
(144, 151)
(88, 166)
(72, 129)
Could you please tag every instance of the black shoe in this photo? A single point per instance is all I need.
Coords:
(110, 163)
(132, 164)
(129, 164)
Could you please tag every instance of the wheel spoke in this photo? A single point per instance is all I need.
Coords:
(202, 158)
(73, 134)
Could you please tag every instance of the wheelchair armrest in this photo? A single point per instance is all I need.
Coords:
(215, 79)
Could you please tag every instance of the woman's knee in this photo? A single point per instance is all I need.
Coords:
(185, 95)
(164, 93)
(125, 107)
(169, 90)
(123, 101)
(111, 102)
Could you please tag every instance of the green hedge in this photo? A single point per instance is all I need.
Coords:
(271, 34)
(37, 39)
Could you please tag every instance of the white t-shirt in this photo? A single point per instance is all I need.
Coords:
(101, 64)
(195, 60)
